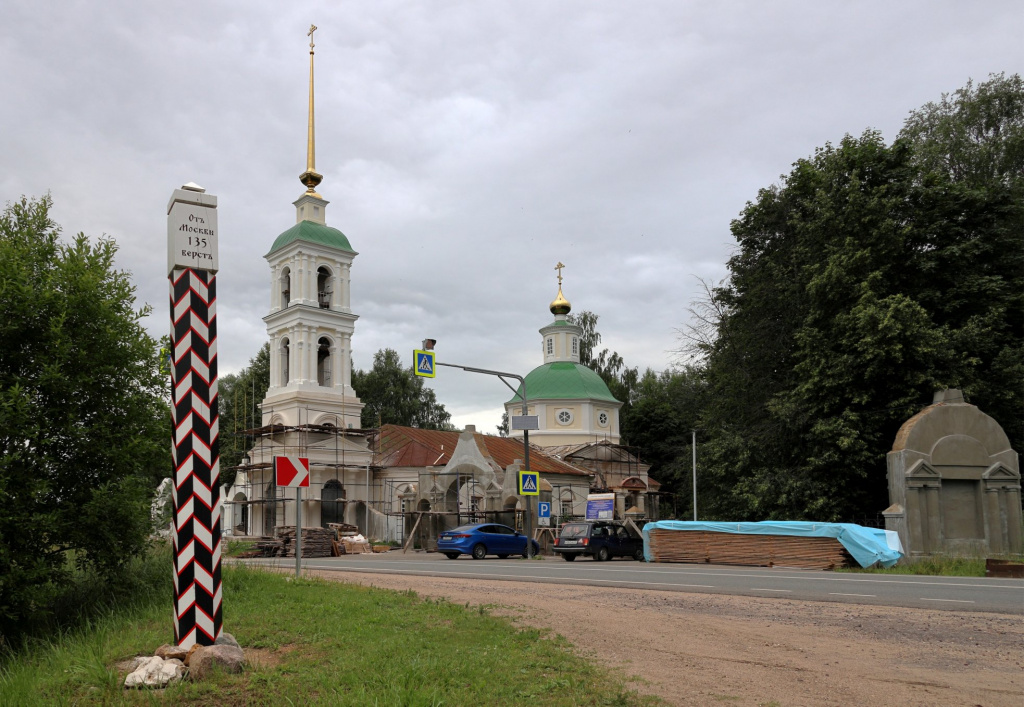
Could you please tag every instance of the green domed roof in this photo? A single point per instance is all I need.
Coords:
(564, 380)
(312, 232)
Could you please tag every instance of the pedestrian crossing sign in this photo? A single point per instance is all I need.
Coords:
(424, 363)
(529, 483)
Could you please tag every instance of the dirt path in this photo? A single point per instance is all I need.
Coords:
(702, 649)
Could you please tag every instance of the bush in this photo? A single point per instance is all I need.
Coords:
(83, 423)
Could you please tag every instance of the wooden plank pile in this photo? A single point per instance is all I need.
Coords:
(267, 546)
(316, 542)
(753, 550)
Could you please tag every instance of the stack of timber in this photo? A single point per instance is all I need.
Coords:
(344, 529)
(268, 547)
(316, 542)
(752, 550)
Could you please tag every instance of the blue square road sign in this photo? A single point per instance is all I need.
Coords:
(423, 363)
(529, 483)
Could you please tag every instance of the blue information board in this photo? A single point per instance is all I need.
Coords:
(601, 506)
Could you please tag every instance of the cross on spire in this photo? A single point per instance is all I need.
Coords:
(310, 177)
(559, 269)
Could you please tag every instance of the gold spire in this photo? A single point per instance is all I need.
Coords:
(560, 305)
(310, 177)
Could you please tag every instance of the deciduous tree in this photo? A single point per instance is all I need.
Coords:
(83, 419)
(393, 395)
(872, 275)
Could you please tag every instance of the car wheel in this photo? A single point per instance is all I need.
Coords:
(602, 555)
(479, 551)
(452, 555)
(502, 557)
(568, 558)
(639, 554)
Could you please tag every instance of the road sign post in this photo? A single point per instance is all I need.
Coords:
(293, 472)
(544, 513)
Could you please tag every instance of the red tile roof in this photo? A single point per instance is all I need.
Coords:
(413, 447)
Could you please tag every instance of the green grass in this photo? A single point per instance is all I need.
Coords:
(324, 643)
(946, 566)
(236, 547)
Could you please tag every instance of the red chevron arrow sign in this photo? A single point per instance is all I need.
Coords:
(292, 471)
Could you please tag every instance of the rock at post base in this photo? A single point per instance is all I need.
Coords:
(168, 651)
(155, 672)
(226, 639)
(230, 659)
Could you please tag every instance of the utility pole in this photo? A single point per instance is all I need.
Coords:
(694, 445)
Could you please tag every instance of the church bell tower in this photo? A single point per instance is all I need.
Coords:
(310, 324)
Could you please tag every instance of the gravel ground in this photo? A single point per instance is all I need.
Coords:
(703, 649)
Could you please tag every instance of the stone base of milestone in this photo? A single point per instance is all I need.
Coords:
(173, 663)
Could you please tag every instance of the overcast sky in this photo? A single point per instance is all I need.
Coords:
(466, 147)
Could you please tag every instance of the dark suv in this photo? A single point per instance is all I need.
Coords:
(600, 539)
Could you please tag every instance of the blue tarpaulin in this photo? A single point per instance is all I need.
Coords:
(866, 545)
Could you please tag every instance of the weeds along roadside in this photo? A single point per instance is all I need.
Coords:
(86, 597)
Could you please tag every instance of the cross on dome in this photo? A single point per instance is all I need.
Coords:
(560, 305)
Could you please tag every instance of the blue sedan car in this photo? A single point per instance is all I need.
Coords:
(483, 539)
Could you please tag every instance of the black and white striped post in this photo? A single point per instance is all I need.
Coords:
(196, 534)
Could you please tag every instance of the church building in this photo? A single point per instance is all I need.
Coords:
(391, 483)
(578, 419)
(310, 409)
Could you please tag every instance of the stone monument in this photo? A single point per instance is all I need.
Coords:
(954, 482)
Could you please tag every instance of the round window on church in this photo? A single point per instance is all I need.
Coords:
(564, 417)
(602, 419)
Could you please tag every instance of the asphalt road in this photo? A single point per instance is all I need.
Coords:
(948, 593)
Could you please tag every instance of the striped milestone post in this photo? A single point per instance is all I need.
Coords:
(192, 268)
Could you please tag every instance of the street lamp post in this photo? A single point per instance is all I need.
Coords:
(526, 433)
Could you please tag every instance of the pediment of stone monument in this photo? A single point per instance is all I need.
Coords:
(922, 469)
(1000, 471)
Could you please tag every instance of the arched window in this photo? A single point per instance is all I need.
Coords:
(285, 361)
(323, 287)
(332, 503)
(323, 362)
(286, 287)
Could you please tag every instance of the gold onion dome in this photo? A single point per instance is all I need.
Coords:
(560, 305)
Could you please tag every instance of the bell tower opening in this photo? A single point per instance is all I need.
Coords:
(285, 361)
(286, 287)
(323, 287)
(323, 362)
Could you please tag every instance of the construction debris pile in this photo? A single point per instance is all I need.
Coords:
(752, 550)
(350, 541)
